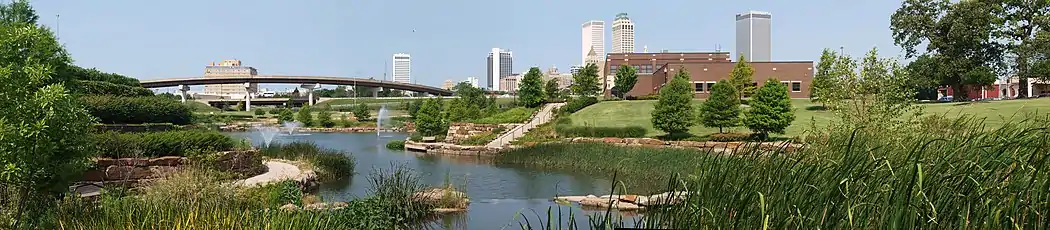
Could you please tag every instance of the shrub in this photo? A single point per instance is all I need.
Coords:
(648, 97)
(304, 116)
(105, 88)
(515, 115)
(137, 110)
(771, 110)
(275, 111)
(148, 127)
(479, 139)
(591, 131)
(396, 145)
(156, 144)
(576, 104)
(329, 163)
(260, 112)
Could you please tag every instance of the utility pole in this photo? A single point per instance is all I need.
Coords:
(58, 26)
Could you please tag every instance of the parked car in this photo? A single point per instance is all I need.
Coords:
(946, 99)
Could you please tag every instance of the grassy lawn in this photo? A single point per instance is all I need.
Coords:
(639, 113)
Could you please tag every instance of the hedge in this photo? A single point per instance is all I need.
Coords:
(157, 144)
(137, 110)
(149, 127)
(576, 104)
(89, 87)
(564, 128)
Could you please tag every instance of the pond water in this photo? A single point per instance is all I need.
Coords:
(499, 194)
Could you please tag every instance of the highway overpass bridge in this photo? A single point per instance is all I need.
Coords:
(184, 83)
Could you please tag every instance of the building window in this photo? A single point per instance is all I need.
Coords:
(698, 87)
(786, 83)
(710, 85)
(796, 86)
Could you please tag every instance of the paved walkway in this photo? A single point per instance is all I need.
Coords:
(275, 171)
(545, 115)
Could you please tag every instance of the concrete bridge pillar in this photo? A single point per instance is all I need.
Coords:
(310, 91)
(182, 90)
(247, 96)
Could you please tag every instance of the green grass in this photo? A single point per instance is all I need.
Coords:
(201, 107)
(929, 173)
(639, 113)
(328, 163)
(515, 115)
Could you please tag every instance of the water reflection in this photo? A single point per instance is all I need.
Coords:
(499, 194)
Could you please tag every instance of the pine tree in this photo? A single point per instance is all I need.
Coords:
(771, 110)
(285, 116)
(324, 119)
(361, 112)
(722, 109)
(626, 78)
(673, 113)
(530, 91)
(741, 77)
(304, 116)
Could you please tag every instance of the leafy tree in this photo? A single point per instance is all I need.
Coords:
(585, 82)
(770, 111)
(429, 121)
(673, 113)
(823, 87)
(626, 78)
(551, 90)
(18, 11)
(741, 77)
(305, 116)
(413, 107)
(530, 91)
(285, 115)
(361, 112)
(1024, 21)
(722, 109)
(43, 128)
(876, 94)
(324, 118)
(961, 42)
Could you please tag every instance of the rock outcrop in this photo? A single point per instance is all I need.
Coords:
(443, 199)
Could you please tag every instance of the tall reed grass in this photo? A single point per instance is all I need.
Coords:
(328, 163)
(931, 173)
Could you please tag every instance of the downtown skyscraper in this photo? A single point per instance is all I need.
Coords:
(593, 40)
(753, 36)
(501, 64)
(402, 71)
(622, 34)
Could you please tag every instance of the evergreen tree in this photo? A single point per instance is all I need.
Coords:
(324, 119)
(305, 116)
(741, 77)
(585, 82)
(626, 78)
(361, 112)
(722, 109)
(285, 115)
(673, 113)
(429, 118)
(530, 91)
(771, 110)
(551, 90)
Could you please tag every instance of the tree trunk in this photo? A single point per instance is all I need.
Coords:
(959, 92)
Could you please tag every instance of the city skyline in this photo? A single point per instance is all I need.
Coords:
(312, 39)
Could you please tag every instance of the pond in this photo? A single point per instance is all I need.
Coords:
(499, 195)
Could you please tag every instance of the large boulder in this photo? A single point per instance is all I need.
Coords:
(667, 198)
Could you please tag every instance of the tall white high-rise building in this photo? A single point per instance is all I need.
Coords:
(593, 39)
(623, 34)
(402, 68)
(473, 81)
(501, 65)
(753, 36)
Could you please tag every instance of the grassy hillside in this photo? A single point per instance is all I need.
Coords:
(639, 113)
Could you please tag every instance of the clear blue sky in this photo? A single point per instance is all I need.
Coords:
(165, 39)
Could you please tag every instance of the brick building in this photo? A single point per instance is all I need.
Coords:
(647, 63)
(705, 68)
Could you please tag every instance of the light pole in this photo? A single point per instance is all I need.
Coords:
(58, 26)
